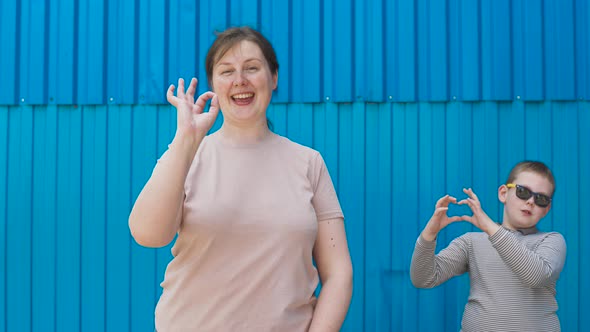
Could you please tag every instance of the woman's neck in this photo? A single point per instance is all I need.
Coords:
(244, 134)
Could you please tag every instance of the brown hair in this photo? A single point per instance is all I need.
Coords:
(227, 39)
(536, 167)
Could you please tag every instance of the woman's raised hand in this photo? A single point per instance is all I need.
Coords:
(192, 121)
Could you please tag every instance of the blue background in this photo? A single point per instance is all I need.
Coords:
(406, 101)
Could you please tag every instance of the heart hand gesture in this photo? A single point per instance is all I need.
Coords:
(440, 219)
(479, 218)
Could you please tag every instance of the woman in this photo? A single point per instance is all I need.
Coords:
(251, 209)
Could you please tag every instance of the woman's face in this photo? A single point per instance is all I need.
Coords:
(243, 83)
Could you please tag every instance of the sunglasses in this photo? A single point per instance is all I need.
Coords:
(525, 193)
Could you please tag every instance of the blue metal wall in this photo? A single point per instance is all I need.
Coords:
(128, 51)
(406, 100)
(69, 175)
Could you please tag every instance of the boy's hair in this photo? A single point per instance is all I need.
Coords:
(534, 167)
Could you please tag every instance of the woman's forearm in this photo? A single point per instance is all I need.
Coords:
(332, 304)
(154, 218)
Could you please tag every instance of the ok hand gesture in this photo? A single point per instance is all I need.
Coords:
(192, 122)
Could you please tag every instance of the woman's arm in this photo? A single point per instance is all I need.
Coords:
(155, 217)
(335, 268)
(156, 214)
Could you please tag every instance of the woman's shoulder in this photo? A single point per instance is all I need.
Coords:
(287, 145)
(294, 145)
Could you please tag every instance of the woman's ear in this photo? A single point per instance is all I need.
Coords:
(275, 80)
(502, 193)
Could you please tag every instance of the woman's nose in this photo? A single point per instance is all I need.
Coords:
(239, 80)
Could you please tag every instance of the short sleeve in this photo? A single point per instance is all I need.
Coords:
(324, 201)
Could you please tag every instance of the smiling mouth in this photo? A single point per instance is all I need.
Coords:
(243, 98)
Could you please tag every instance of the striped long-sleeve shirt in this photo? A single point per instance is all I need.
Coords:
(512, 276)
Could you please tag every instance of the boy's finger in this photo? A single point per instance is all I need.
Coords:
(467, 218)
(441, 210)
(470, 193)
(455, 219)
(440, 201)
(445, 200)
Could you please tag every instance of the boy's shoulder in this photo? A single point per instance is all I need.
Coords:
(474, 235)
(555, 235)
(471, 238)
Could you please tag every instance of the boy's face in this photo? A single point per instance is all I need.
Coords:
(520, 213)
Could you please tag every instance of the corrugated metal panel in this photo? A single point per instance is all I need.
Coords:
(18, 223)
(44, 220)
(584, 214)
(69, 175)
(560, 53)
(10, 55)
(3, 210)
(528, 50)
(582, 19)
(128, 52)
(62, 57)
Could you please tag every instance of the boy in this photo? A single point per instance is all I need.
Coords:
(513, 268)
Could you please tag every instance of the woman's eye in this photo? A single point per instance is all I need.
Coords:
(252, 69)
(226, 72)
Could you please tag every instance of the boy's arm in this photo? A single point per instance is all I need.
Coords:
(536, 268)
(428, 270)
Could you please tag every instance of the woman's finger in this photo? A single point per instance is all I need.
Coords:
(202, 101)
(170, 95)
(190, 92)
(214, 107)
(180, 92)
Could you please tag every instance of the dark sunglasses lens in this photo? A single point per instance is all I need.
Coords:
(523, 193)
(542, 200)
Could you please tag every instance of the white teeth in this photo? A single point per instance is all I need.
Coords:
(243, 96)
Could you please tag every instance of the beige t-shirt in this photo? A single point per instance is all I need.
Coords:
(243, 256)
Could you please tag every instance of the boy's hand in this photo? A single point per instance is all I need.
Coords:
(440, 219)
(479, 218)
